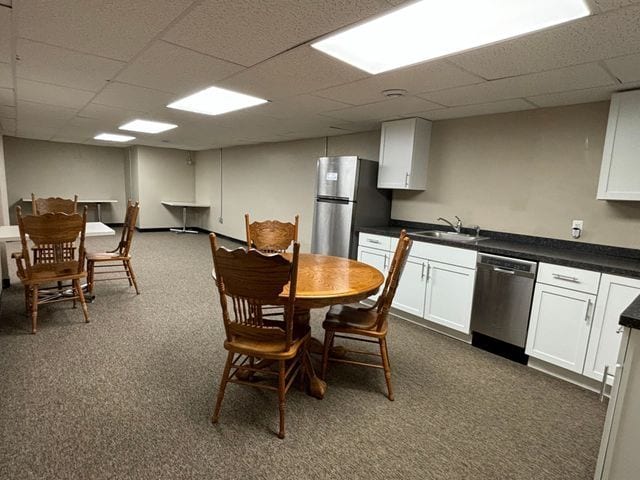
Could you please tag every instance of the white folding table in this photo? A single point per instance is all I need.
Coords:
(184, 206)
(98, 204)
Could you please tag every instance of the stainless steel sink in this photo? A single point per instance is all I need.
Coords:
(452, 236)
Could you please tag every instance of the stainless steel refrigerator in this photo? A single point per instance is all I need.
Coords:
(347, 197)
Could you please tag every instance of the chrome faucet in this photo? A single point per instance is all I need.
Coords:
(457, 227)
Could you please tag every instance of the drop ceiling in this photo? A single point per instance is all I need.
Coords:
(70, 70)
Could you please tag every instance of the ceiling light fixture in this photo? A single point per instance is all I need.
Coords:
(147, 126)
(435, 28)
(215, 101)
(112, 137)
(394, 92)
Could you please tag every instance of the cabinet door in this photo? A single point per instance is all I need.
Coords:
(449, 295)
(620, 171)
(615, 294)
(410, 293)
(376, 258)
(396, 152)
(559, 326)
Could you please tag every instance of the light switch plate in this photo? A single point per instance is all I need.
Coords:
(577, 224)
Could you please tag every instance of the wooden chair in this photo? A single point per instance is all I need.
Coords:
(40, 206)
(117, 260)
(367, 324)
(54, 236)
(271, 236)
(250, 280)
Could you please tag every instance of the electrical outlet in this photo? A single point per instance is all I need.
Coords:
(577, 224)
(220, 220)
(576, 228)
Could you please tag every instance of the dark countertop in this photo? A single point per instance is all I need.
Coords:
(613, 260)
(631, 316)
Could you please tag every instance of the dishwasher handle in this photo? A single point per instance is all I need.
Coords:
(504, 270)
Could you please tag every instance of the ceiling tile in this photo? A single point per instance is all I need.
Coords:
(580, 96)
(6, 75)
(45, 63)
(384, 110)
(247, 32)
(117, 29)
(94, 113)
(479, 109)
(40, 114)
(626, 69)
(171, 68)
(52, 94)
(7, 97)
(297, 71)
(35, 131)
(613, 4)
(118, 94)
(593, 38)
(5, 35)
(7, 125)
(300, 105)
(420, 78)
(7, 112)
(571, 78)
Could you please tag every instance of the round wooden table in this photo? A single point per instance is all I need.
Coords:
(324, 281)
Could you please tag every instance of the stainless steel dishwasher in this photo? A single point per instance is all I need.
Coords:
(502, 298)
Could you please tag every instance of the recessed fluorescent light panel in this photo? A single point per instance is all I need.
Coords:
(147, 126)
(215, 101)
(112, 137)
(434, 28)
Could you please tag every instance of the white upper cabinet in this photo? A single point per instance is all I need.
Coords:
(404, 153)
(620, 172)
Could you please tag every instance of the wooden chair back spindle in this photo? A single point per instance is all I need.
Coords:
(128, 228)
(395, 272)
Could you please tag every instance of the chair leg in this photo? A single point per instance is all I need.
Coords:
(223, 386)
(132, 276)
(281, 395)
(34, 308)
(78, 288)
(387, 368)
(126, 270)
(90, 272)
(328, 341)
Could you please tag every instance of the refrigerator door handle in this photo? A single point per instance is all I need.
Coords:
(333, 199)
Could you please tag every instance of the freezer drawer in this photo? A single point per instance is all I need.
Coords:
(332, 228)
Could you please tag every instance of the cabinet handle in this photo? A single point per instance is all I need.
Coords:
(604, 382)
(620, 329)
(371, 240)
(406, 179)
(385, 262)
(586, 317)
(566, 278)
(428, 270)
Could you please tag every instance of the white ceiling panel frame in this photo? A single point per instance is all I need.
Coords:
(117, 29)
(300, 70)
(52, 94)
(570, 78)
(419, 78)
(626, 69)
(171, 68)
(590, 39)
(502, 106)
(41, 62)
(247, 32)
(385, 110)
(132, 97)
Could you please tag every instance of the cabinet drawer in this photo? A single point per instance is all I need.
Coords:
(445, 254)
(374, 241)
(568, 277)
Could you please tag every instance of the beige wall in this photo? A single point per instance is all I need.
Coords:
(161, 174)
(529, 172)
(65, 169)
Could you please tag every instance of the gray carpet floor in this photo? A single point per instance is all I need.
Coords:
(130, 395)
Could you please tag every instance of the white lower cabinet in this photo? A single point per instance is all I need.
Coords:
(559, 326)
(378, 259)
(449, 295)
(614, 295)
(410, 293)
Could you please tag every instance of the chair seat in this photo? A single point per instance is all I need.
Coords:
(271, 349)
(106, 256)
(354, 319)
(43, 272)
